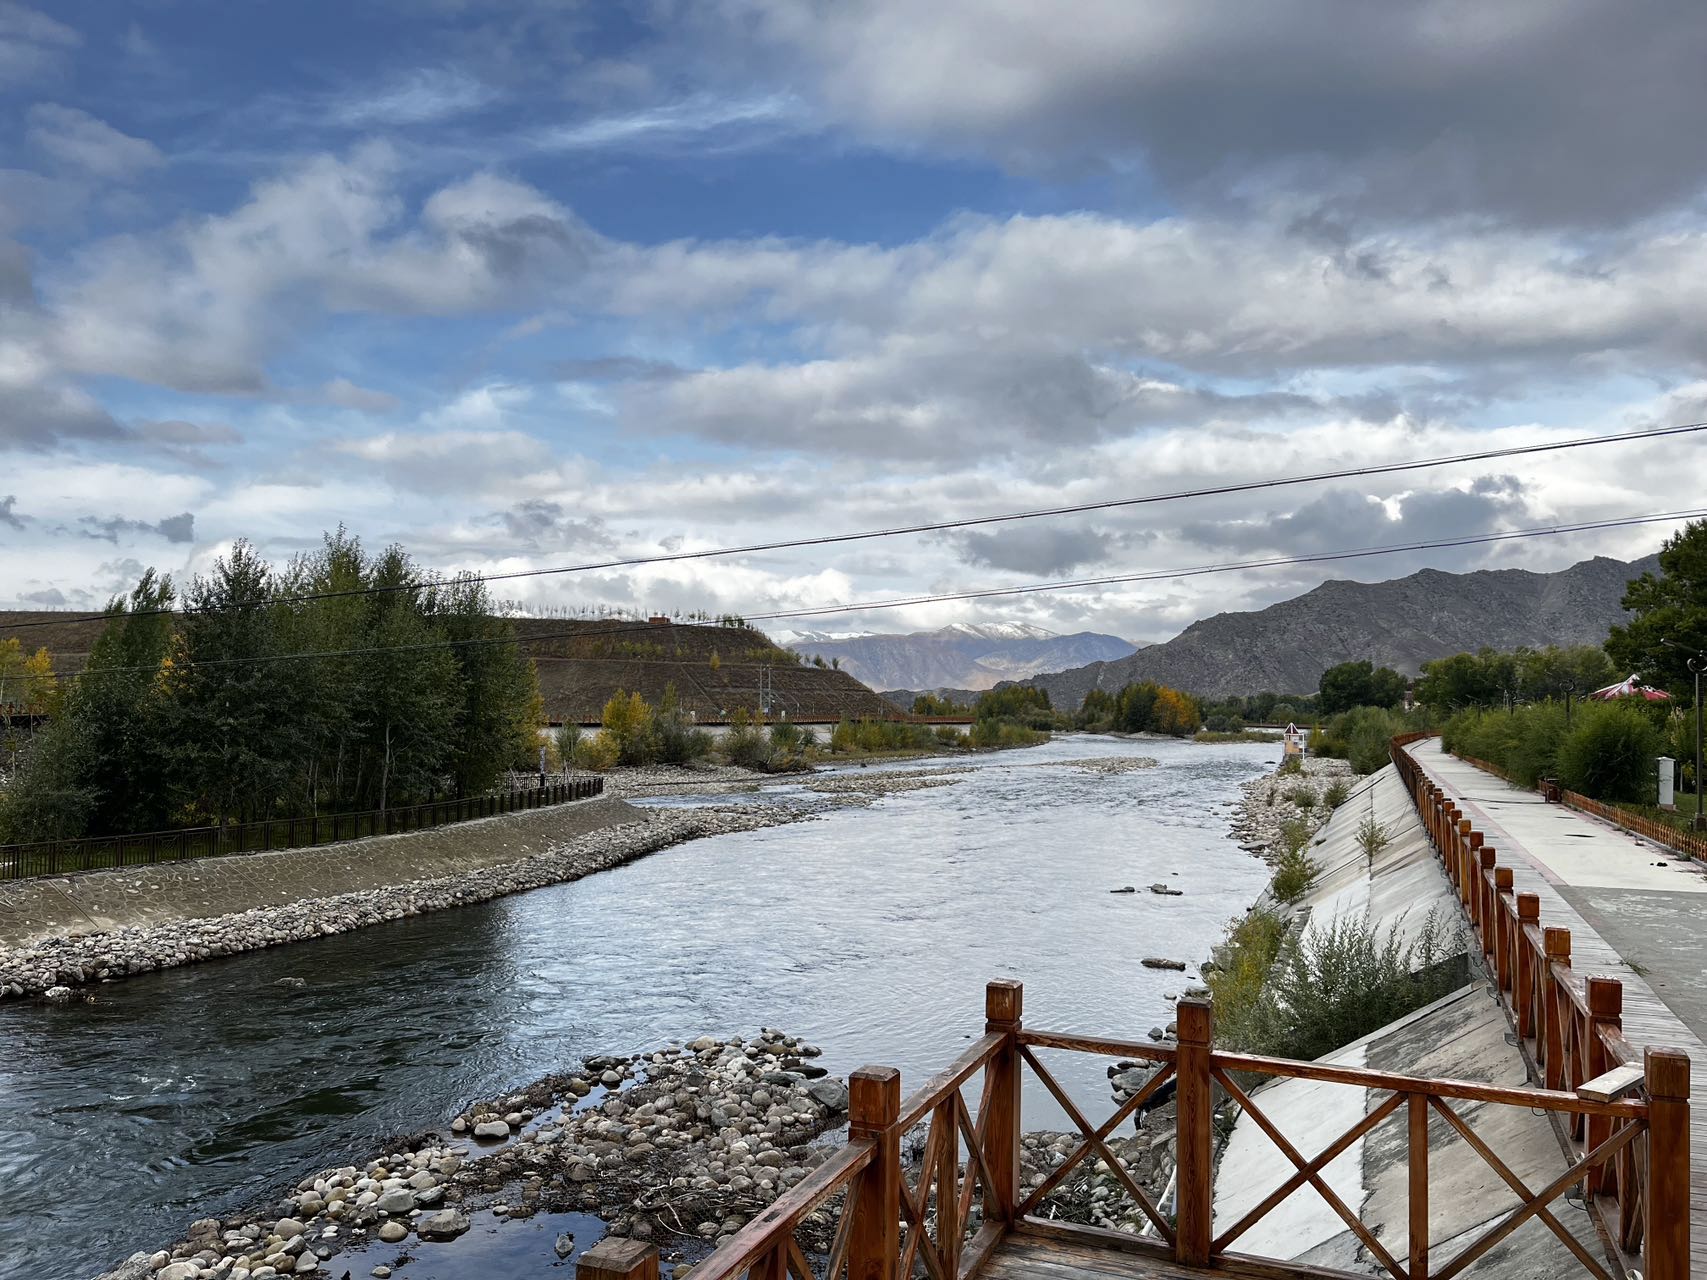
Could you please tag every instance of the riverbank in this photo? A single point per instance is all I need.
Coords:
(65, 934)
(55, 966)
(224, 1085)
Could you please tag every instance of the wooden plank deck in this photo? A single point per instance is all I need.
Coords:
(1647, 1019)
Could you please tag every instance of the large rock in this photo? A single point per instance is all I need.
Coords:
(832, 1095)
(447, 1224)
(399, 1201)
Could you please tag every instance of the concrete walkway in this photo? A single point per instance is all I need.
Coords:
(1636, 912)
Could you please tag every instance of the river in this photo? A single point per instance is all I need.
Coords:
(871, 931)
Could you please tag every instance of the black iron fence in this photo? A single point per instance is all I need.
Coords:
(101, 853)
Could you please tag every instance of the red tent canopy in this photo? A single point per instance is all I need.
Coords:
(1631, 688)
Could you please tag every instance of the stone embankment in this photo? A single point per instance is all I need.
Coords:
(684, 1145)
(1268, 802)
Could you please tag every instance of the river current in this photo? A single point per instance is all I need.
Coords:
(870, 931)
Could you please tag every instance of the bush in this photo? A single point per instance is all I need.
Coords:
(1609, 753)
(1336, 793)
(881, 735)
(1302, 796)
(1290, 766)
(1362, 736)
(674, 739)
(1238, 971)
(949, 736)
(746, 744)
(1372, 838)
(627, 719)
(1346, 980)
(1294, 874)
(1005, 733)
(597, 752)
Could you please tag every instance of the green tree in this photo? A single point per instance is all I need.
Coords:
(1359, 684)
(1670, 606)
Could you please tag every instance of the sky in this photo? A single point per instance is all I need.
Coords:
(519, 285)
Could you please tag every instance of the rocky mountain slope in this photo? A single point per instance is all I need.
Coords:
(1401, 624)
(962, 656)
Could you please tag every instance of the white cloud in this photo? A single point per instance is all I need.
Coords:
(78, 140)
(31, 44)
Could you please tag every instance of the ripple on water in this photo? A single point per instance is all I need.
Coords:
(872, 932)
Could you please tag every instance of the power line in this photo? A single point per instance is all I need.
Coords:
(1246, 486)
(1032, 588)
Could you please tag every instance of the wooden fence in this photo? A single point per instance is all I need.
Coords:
(1685, 842)
(102, 853)
(944, 1216)
(1569, 1022)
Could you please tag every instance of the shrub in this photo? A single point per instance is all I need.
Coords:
(790, 746)
(746, 744)
(1294, 835)
(1303, 797)
(1290, 766)
(1238, 970)
(949, 736)
(1336, 793)
(674, 739)
(1362, 736)
(1294, 873)
(1344, 981)
(627, 720)
(1006, 733)
(1609, 753)
(1372, 837)
(597, 752)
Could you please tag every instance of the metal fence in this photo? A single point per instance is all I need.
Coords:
(100, 853)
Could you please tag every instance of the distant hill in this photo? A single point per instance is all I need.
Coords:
(960, 656)
(1401, 624)
(582, 663)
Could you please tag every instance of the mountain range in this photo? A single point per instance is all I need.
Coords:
(1400, 624)
(961, 656)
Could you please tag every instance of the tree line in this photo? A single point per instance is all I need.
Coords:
(193, 709)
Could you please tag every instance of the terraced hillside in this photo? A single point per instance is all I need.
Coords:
(582, 663)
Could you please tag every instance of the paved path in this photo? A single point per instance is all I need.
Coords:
(1636, 912)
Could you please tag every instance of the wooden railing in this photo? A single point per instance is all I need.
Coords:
(943, 1216)
(105, 853)
(1570, 1023)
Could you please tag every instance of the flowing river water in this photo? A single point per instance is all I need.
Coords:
(871, 931)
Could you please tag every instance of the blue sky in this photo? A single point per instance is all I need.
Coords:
(523, 284)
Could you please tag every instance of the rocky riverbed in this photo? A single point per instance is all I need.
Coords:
(1268, 802)
(1107, 764)
(682, 1146)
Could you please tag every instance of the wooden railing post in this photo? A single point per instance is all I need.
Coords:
(1417, 1115)
(1505, 926)
(1485, 860)
(1555, 1005)
(1528, 913)
(1665, 1252)
(1194, 1139)
(1605, 1013)
(874, 1104)
(614, 1258)
(1004, 1005)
